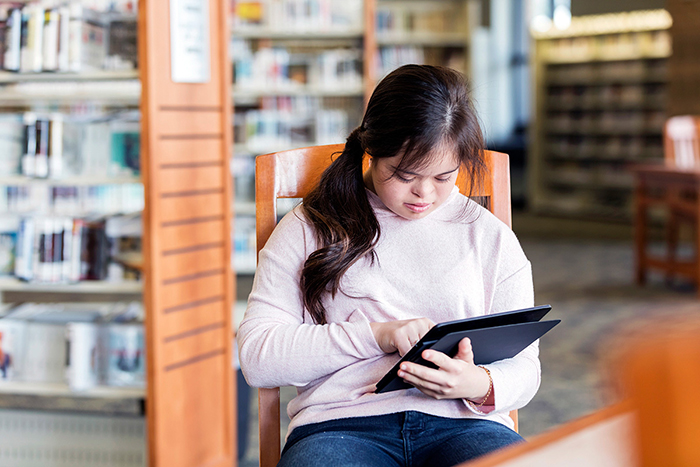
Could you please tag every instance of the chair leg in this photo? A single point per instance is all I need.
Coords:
(640, 237)
(672, 228)
(696, 260)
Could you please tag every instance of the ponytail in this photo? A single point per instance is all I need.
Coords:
(344, 222)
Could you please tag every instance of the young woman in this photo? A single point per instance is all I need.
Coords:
(361, 270)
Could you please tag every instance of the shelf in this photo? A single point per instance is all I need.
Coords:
(590, 185)
(594, 57)
(275, 33)
(242, 94)
(595, 160)
(18, 180)
(10, 284)
(606, 81)
(124, 93)
(610, 23)
(427, 39)
(603, 107)
(604, 132)
(63, 390)
(58, 397)
(93, 75)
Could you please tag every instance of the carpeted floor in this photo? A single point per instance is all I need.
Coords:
(585, 271)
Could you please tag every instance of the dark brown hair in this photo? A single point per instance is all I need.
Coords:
(412, 111)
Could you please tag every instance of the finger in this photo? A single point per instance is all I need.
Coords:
(422, 372)
(465, 351)
(440, 359)
(420, 383)
(404, 344)
(427, 325)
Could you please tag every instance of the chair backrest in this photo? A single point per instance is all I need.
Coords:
(293, 174)
(682, 141)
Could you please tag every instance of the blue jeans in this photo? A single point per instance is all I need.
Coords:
(406, 439)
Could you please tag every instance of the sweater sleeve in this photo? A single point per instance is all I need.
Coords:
(515, 380)
(277, 346)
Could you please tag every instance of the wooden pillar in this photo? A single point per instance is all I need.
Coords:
(683, 65)
(189, 284)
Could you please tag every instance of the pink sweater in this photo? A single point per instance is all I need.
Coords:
(445, 266)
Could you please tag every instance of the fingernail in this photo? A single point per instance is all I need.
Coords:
(401, 374)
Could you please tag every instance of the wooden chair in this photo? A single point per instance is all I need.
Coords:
(292, 174)
(675, 186)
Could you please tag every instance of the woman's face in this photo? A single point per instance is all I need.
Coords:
(413, 194)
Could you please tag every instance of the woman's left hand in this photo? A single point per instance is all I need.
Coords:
(455, 378)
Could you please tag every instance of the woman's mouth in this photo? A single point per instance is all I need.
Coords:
(418, 207)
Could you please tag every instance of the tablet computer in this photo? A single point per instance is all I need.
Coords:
(494, 337)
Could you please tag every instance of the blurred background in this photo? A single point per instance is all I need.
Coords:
(577, 92)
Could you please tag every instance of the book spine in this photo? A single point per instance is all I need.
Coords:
(57, 249)
(12, 341)
(82, 370)
(25, 55)
(51, 39)
(75, 37)
(63, 38)
(36, 39)
(56, 146)
(41, 158)
(46, 356)
(44, 265)
(25, 246)
(30, 143)
(126, 357)
(13, 40)
(76, 268)
(67, 256)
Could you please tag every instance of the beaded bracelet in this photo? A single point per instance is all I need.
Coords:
(488, 393)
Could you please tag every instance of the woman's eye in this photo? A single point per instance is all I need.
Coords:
(439, 179)
(403, 179)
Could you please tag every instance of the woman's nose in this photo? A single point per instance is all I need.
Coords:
(422, 188)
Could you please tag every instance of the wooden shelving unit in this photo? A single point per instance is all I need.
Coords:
(422, 31)
(188, 337)
(600, 100)
(291, 61)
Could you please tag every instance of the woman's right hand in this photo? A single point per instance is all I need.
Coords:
(400, 335)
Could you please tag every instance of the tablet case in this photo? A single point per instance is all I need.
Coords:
(501, 336)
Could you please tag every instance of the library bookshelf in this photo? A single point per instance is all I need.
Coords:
(600, 91)
(187, 206)
(301, 78)
(283, 89)
(428, 32)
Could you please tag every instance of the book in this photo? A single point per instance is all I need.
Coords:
(62, 58)
(51, 40)
(493, 337)
(12, 342)
(32, 38)
(13, 40)
(8, 241)
(82, 364)
(87, 38)
(11, 143)
(30, 144)
(125, 360)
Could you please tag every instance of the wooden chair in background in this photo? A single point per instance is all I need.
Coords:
(292, 174)
(675, 186)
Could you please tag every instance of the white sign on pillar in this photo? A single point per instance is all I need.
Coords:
(189, 41)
